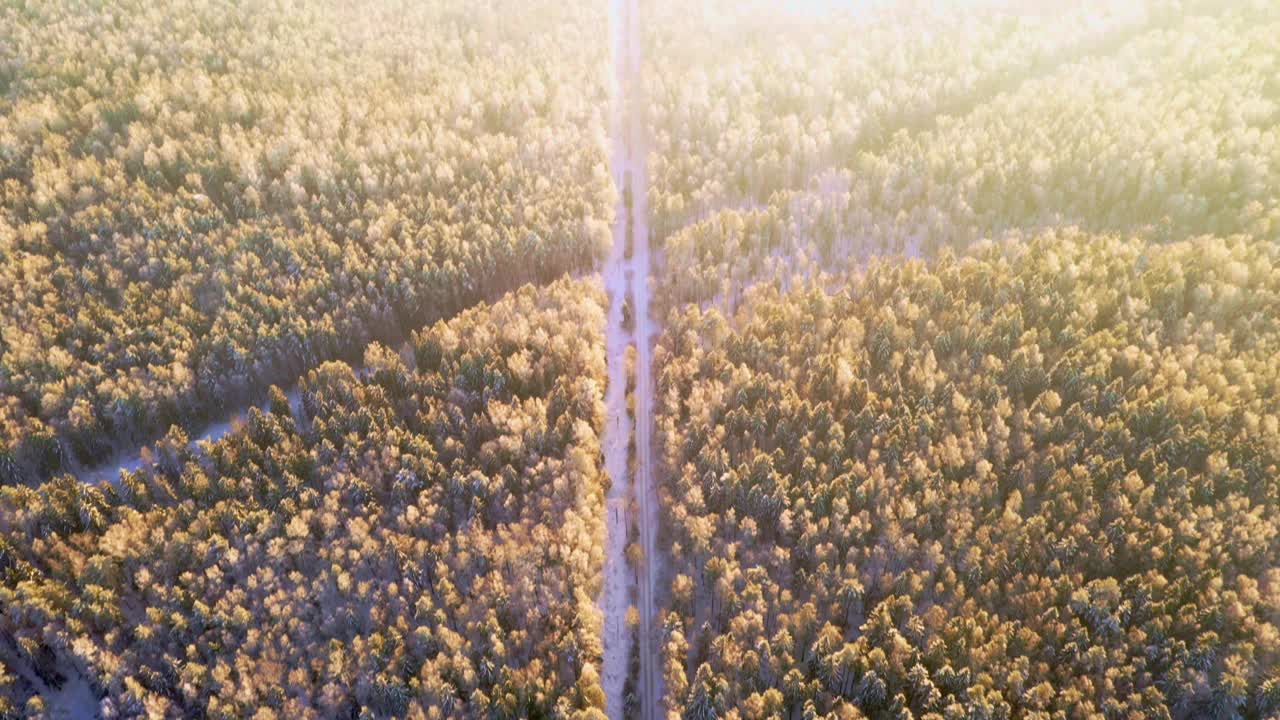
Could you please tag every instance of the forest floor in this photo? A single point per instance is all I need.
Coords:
(74, 700)
(133, 458)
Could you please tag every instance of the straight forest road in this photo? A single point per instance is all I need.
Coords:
(626, 276)
(645, 330)
(615, 594)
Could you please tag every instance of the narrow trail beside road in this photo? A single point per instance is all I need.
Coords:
(73, 699)
(626, 277)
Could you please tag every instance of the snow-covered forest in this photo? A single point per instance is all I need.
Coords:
(640, 359)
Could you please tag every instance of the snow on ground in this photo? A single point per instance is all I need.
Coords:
(627, 279)
(74, 700)
(615, 595)
(132, 460)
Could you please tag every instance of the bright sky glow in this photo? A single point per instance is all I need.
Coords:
(820, 8)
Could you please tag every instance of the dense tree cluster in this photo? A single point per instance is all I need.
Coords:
(1170, 136)
(197, 200)
(1038, 481)
(751, 98)
(10, 693)
(1173, 136)
(414, 543)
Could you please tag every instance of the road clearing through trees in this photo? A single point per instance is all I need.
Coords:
(626, 276)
